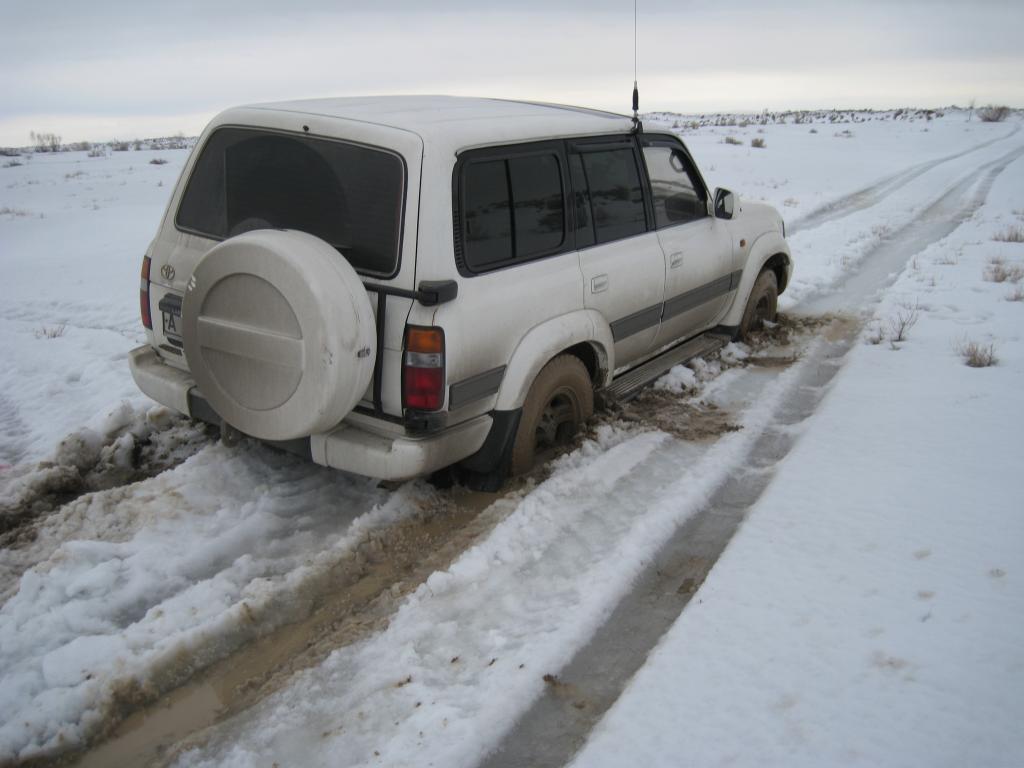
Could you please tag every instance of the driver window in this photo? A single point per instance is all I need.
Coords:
(678, 196)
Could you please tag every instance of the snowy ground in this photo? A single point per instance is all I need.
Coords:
(845, 615)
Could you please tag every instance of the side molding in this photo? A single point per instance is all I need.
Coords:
(762, 249)
(545, 341)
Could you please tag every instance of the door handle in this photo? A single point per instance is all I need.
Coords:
(675, 260)
(599, 283)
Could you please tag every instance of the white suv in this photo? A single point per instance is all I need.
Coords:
(395, 285)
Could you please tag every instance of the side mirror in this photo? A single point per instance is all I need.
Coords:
(725, 203)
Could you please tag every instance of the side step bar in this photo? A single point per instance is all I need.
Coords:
(628, 385)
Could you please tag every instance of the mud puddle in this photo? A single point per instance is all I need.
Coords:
(348, 602)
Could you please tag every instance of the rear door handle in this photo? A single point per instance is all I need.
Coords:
(599, 283)
(675, 260)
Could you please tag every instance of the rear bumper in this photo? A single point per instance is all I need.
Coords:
(352, 447)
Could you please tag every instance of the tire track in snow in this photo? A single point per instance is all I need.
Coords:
(556, 725)
(875, 193)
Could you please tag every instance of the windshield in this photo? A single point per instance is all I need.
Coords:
(345, 194)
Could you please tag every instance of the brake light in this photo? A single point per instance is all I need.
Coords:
(423, 369)
(147, 318)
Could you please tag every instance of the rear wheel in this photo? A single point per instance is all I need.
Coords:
(560, 401)
(762, 305)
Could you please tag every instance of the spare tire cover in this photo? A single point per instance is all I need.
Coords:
(278, 333)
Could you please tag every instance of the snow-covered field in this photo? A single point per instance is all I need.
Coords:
(868, 610)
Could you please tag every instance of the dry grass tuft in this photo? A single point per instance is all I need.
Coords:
(976, 354)
(998, 271)
(732, 140)
(1017, 294)
(1011, 234)
(758, 143)
(51, 332)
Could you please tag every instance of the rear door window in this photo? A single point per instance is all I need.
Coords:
(346, 194)
(513, 209)
(616, 194)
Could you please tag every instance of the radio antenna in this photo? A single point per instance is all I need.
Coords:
(638, 127)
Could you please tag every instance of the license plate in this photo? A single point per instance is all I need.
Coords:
(172, 326)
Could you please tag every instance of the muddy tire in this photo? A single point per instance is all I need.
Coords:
(762, 305)
(560, 401)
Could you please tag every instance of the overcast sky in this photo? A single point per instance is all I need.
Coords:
(117, 69)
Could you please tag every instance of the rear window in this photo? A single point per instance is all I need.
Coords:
(348, 195)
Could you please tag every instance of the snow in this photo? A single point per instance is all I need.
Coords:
(867, 611)
(188, 565)
(72, 256)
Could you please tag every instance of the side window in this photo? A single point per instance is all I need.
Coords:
(512, 210)
(616, 197)
(678, 196)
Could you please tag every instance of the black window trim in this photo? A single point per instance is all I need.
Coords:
(674, 142)
(506, 152)
(257, 129)
(562, 148)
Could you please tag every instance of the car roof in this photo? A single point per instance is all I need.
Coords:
(456, 122)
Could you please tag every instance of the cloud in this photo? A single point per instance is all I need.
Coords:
(120, 62)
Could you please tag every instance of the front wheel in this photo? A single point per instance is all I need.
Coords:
(762, 305)
(560, 401)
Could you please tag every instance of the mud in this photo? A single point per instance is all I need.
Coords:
(683, 418)
(339, 606)
(687, 417)
(86, 462)
(789, 329)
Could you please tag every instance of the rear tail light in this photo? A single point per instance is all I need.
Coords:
(423, 369)
(147, 318)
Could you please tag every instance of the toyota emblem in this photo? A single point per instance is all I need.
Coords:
(167, 271)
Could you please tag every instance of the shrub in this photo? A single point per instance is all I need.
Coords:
(97, 152)
(900, 325)
(977, 355)
(158, 161)
(758, 143)
(8, 211)
(993, 114)
(1017, 294)
(1010, 235)
(12, 164)
(732, 140)
(45, 142)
